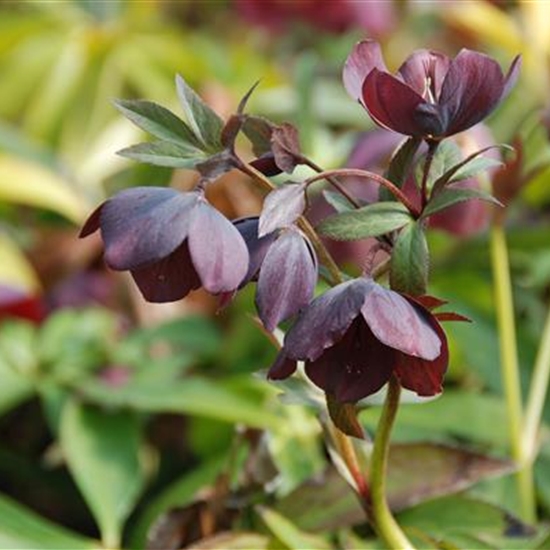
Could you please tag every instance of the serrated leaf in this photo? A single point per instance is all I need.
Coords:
(21, 529)
(102, 451)
(157, 120)
(474, 167)
(369, 221)
(165, 153)
(344, 416)
(204, 122)
(453, 195)
(410, 261)
(338, 201)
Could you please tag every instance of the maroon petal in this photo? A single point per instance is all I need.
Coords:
(424, 71)
(287, 279)
(392, 104)
(365, 56)
(472, 89)
(143, 225)
(355, 367)
(282, 207)
(282, 368)
(217, 249)
(322, 323)
(169, 279)
(401, 324)
(420, 375)
(257, 247)
(92, 223)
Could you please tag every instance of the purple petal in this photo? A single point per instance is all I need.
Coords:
(169, 279)
(282, 368)
(287, 279)
(471, 90)
(257, 247)
(92, 223)
(392, 104)
(424, 72)
(400, 324)
(217, 249)
(282, 207)
(143, 225)
(325, 320)
(365, 56)
(355, 367)
(511, 76)
(420, 375)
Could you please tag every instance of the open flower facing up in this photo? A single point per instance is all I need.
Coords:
(285, 266)
(431, 96)
(171, 242)
(356, 335)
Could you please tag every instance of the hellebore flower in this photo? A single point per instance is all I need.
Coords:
(285, 266)
(171, 242)
(431, 96)
(356, 335)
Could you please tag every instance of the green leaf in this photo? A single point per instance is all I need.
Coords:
(165, 153)
(203, 120)
(401, 161)
(158, 121)
(447, 156)
(410, 261)
(338, 201)
(232, 540)
(453, 195)
(102, 451)
(22, 529)
(369, 221)
(258, 130)
(474, 167)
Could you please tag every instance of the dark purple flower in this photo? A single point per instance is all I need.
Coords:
(171, 242)
(353, 337)
(432, 95)
(285, 267)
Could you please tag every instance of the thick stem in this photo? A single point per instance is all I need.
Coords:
(393, 189)
(510, 370)
(537, 394)
(386, 526)
(432, 148)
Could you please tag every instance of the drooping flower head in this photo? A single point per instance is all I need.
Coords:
(356, 335)
(171, 242)
(431, 95)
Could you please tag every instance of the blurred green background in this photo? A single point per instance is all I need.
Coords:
(127, 424)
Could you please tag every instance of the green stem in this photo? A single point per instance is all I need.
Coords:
(510, 370)
(432, 148)
(386, 526)
(537, 394)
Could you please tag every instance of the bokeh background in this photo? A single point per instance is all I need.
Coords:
(117, 417)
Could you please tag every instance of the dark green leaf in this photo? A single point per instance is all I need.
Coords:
(446, 156)
(410, 261)
(203, 120)
(400, 165)
(453, 195)
(344, 416)
(369, 221)
(22, 529)
(474, 167)
(165, 153)
(102, 450)
(338, 201)
(158, 121)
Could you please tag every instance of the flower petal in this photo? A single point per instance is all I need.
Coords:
(322, 323)
(282, 368)
(420, 375)
(355, 367)
(287, 279)
(169, 279)
(217, 249)
(471, 90)
(365, 56)
(392, 104)
(401, 324)
(511, 76)
(282, 207)
(424, 71)
(143, 224)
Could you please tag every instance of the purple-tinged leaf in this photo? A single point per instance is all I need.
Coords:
(285, 145)
(401, 325)
(218, 251)
(204, 122)
(344, 417)
(451, 316)
(169, 279)
(258, 130)
(282, 207)
(165, 153)
(266, 165)
(216, 165)
(144, 224)
(231, 130)
(282, 368)
(453, 195)
(410, 261)
(287, 279)
(365, 56)
(157, 120)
